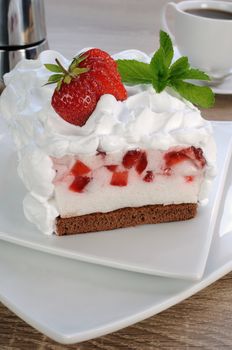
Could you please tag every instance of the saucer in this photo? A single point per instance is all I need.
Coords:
(225, 87)
(222, 88)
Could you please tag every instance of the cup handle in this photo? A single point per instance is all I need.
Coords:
(165, 25)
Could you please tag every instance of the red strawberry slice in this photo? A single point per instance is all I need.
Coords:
(104, 82)
(131, 158)
(89, 76)
(119, 178)
(80, 95)
(173, 158)
(149, 177)
(111, 167)
(194, 154)
(120, 94)
(142, 163)
(96, 53)
(80, 168)
(79, 183)
(135, 158)
(98, 64)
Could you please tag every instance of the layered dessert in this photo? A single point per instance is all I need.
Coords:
(141, 157)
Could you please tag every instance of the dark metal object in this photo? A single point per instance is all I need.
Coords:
(22, 31)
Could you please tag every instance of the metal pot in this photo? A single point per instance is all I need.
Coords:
(22, 31)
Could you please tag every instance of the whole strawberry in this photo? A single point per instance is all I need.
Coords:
(89, 76)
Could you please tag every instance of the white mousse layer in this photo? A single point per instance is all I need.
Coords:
(162, 191)
(145, 120)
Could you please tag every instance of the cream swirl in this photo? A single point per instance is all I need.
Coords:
(145, 119)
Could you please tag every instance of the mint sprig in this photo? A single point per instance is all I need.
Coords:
(161, 72)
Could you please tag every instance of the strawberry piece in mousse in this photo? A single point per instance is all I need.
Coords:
(149, 177)
(135, 158)
(131, 158)
(119, 178)
(111, 167)
(141, 163)
(191, 153)
(80, 168)
(79, 183)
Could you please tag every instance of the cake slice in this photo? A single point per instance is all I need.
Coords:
(97, 155)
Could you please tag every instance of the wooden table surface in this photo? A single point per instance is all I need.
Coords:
(203, 321)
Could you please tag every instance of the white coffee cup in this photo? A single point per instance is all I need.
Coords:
(206, 41)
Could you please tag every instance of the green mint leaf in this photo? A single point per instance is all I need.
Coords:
(179, 68)
(166, 44)
(198, 95)
(159, 70)
(53, 68)
(193, 73)
(157, 63)
(159, 85)
(134, 72)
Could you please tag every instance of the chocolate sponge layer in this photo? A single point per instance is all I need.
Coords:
(125, 217)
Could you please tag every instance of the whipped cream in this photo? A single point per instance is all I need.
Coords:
(145, 120)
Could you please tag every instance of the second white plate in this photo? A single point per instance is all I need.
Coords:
(174, 250)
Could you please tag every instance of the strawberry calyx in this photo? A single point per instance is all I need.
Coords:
(64, 75)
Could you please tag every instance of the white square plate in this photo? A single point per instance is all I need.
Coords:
(174, 250)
